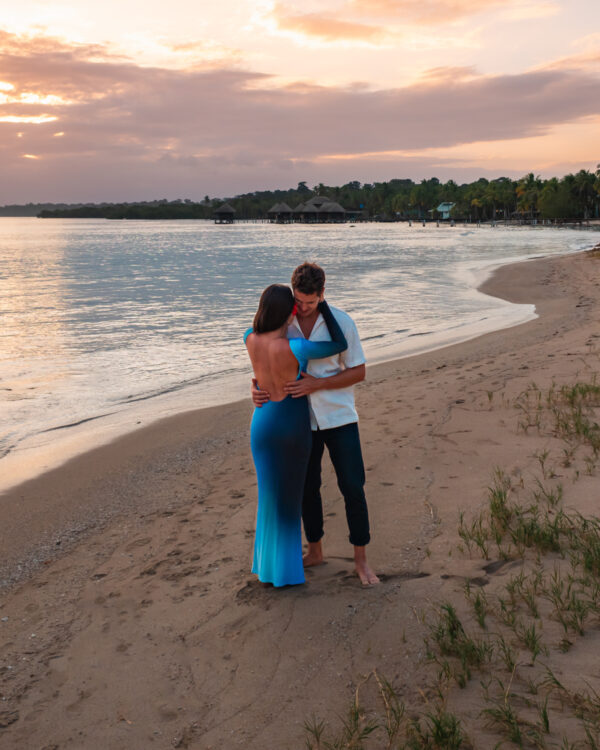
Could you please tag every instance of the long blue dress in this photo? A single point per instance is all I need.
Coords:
(281, 440)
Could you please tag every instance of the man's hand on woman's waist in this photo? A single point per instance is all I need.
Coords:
(309, 384)
(303, 387)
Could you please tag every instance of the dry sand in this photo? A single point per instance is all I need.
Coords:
(129, 618)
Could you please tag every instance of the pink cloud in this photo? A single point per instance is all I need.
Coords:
(129, 128)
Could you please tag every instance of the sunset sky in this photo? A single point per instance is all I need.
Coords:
(131, 100)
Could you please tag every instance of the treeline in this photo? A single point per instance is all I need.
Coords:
(32, 209)
(160, 209)
(572, 197)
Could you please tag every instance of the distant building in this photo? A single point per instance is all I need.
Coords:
(281, 213)
(224, 214)
(317, 210)
(444, 209)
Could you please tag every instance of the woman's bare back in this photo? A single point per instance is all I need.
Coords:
(273, 363)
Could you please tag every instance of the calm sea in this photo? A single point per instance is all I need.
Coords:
(108, 325)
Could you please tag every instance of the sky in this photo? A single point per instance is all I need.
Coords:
(127, 100)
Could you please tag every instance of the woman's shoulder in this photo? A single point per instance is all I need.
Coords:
(278, 346)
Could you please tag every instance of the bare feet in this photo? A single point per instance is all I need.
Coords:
(314, 555)
(364, 572)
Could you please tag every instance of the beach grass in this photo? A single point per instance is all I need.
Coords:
(526, 620)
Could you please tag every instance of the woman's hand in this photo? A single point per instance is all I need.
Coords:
(259, 397)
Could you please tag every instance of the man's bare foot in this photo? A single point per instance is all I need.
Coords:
(314, 555)
(364, 572)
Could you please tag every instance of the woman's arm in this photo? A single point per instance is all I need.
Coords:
(305, 350)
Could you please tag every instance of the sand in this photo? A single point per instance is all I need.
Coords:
(129, 618)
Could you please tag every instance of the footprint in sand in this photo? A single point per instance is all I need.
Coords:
(166, 713)
(177, 575)
(403, 576)
(138, 543)
(82, 696)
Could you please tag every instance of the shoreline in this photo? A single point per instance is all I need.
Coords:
(34, 459)
(131, 453)
(128, 452)
(147, 627)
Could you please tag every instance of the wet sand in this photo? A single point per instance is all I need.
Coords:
(129, 619)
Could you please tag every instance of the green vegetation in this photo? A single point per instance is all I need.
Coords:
(388, 725)
(574, 197)
(504, 647)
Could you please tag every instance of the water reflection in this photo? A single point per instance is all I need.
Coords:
(96, 314)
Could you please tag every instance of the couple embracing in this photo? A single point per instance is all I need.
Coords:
(306, 359)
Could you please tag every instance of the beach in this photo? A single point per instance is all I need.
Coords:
(129, 618)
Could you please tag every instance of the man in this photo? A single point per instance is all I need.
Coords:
(334, 421)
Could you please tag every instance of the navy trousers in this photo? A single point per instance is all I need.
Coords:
(343, 444)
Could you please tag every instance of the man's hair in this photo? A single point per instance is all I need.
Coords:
(275, 307)
(309, 278)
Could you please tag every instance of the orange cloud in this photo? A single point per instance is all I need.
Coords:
(32, 119)
(450, 75)
(326, 28)
(587, 59)
(423, 11)
(24, 44)
(375, 20)
(444, 11)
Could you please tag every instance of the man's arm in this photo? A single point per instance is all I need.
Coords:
(309, 384)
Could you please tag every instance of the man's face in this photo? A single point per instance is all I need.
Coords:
(307, 303)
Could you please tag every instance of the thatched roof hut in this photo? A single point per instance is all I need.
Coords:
(317, 201)
(280, 212)
(224, 214)
(319, 208)
(331, 207)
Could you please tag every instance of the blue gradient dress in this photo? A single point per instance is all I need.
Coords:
(281, 440)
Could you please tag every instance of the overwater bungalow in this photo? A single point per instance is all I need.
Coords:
(281, 213)
(224, 214)
(317, 210)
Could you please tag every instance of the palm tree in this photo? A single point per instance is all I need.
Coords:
(476, 203)
(493, 194)
(585, 192)
(528, 189)
(507, 195)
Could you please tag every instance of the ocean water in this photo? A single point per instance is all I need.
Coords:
(107, 325)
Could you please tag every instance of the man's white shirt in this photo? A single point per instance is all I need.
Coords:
(336, 407)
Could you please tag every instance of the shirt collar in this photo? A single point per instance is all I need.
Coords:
(294, 324)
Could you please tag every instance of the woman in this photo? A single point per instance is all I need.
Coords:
(280, 433)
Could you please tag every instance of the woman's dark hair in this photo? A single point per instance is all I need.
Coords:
(275, 307)
(309, 278)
